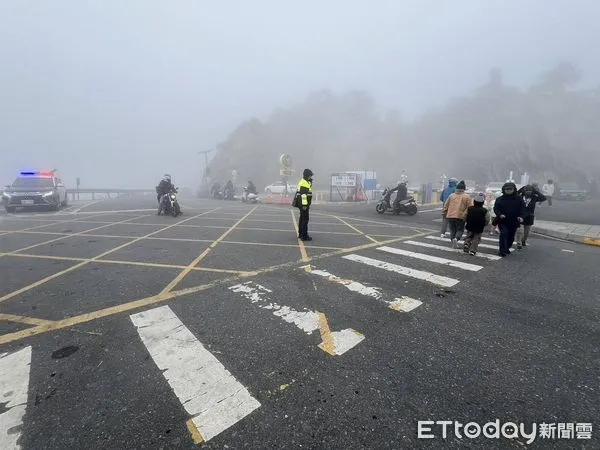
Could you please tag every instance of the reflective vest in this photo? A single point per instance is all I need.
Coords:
(304, 197)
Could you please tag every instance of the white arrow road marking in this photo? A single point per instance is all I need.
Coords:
(403, 304)
(418, 274)
(351, 285)
(14, 384)
(334, 343)
(205, 388)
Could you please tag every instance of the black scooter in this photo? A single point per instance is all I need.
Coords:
(408, 205)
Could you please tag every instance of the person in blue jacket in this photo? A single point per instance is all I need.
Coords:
(447, 192)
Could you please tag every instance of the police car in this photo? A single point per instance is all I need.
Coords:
(35, 189)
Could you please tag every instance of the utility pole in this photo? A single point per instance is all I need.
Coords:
(205, 153)
(204, 177)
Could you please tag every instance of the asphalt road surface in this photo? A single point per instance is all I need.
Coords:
(218, 329)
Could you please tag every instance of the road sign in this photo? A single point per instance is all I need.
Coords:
(285, 160)
(286, 172)
(369, 185)
(343, 180)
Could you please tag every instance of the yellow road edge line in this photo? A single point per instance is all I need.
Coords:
(301, 245)
(169, 287)
(356, 229)
(327, 344)
(591, 241)
(24, 319)
(87, 317)
(83, 263)
(196, 436)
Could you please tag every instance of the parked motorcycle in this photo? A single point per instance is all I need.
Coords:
(408, 205)
(249, 197)
(228, 194)
(169, 204)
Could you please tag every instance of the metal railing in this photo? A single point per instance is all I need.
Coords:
(75, 193)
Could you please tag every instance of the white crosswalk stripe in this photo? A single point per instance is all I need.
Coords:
(438, 238)
(402, 270)
(435, 259)
(448, 249)
(410, 264)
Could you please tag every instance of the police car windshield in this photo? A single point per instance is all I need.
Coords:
(34, 182)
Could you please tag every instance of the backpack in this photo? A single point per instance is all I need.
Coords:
(296, 200)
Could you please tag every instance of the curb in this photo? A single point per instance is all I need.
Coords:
(577, 238)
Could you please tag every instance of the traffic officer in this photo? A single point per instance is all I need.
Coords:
(303, 200)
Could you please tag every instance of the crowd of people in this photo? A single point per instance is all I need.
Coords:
(510, 214)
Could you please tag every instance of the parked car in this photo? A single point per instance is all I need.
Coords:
(279, 188)
(571, 191)
(35, 189)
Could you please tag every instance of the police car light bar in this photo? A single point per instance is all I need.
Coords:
(38, 173)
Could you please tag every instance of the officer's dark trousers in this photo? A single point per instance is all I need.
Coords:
(303, 223)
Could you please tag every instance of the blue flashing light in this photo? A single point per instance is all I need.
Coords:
(29, 173)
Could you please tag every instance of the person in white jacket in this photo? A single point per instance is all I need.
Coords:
(548, 191)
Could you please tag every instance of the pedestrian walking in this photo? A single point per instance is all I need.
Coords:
(447, 192)
(530, 196)
(548, 190)
(302, 201)
(478, 217)
(509, 209)
(455, 212)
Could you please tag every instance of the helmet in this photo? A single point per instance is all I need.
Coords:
(167, 177)
(452, 180)
(307, 173)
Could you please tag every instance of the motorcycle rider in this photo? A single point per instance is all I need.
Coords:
(401, 195)
(228, 191)
(402, 192)
(164, 187)
(250, 189)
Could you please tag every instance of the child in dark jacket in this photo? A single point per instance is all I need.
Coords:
(478, 217)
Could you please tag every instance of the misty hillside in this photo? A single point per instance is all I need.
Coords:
(548, 130)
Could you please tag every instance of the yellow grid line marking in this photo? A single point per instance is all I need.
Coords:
(53, 222)
(83, 263)
(194, 433)
(24, 320)
(126, 263)
(65, 237)
(135, 304)
(355, 229)
(327, 344)
(195, 262)
(154, 238)
(301, 246)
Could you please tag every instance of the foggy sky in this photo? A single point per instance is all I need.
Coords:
(118, 92)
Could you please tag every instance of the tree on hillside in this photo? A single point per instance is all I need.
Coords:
(549, 130)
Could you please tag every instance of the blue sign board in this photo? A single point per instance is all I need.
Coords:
(369, 185)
